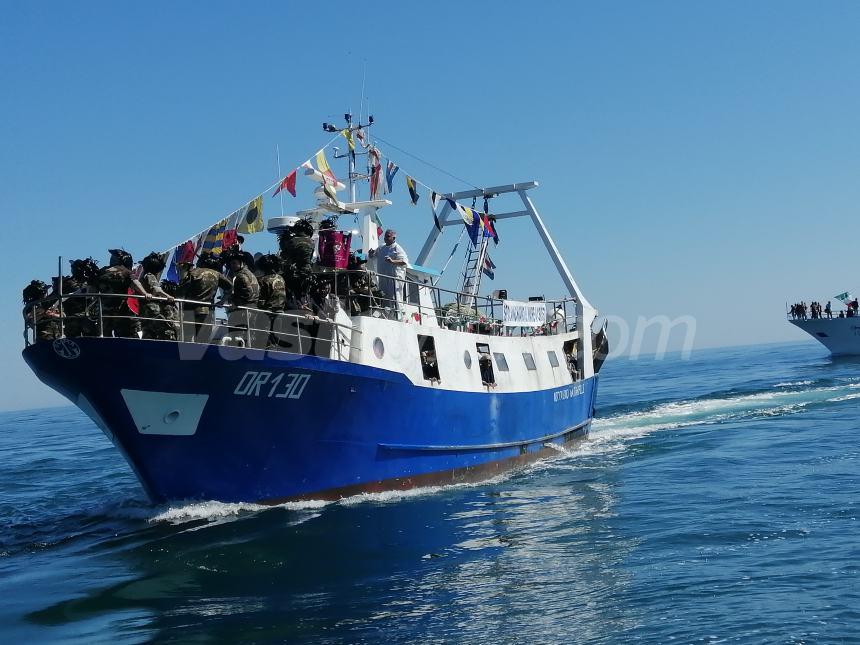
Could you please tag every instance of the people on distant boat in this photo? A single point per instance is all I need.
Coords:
(798, 311)
(391, 266)
(200, 284)
(153, 322)
(841, 314)
(117, 316)
(828, 310)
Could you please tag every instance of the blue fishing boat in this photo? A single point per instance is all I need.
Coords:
(383, 390)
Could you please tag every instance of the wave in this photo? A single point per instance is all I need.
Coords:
(215, 513)
(782, 398)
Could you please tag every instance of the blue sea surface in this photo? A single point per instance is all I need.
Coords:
(716, 500)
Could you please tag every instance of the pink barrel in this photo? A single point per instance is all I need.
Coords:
(334, 248)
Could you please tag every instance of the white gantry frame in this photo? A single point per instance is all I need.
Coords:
(585, 313)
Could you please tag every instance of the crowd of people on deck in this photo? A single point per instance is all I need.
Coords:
(123, 301)
(814, 311)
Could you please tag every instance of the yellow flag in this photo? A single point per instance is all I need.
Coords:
(347, 134)
(324, 168)
(251, 216)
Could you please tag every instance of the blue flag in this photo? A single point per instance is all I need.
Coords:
(390, 170)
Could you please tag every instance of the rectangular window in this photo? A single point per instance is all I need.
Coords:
(427, 355)
(530, 361)
(553, 359)
(485, 365)
(501, 362)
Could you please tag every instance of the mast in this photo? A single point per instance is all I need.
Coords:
(366, 208)
(585, 313)
(351, 154)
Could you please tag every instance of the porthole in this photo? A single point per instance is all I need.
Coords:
(378, 347)
(170, 417)
(467, 359)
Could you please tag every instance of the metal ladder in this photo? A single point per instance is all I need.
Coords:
(472, 272)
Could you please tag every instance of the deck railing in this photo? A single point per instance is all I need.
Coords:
(299, 331)
(483, 316)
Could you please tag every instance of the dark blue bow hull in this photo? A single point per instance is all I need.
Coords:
(273, 427)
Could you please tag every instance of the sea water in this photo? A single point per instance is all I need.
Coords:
(716, 500)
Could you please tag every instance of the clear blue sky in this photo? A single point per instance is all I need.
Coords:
(694, 158)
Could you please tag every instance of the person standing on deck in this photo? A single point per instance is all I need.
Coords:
(391, 266)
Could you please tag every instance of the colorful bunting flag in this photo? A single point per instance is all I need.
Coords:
(413, 191)
(324, 168)
(375, 172)
(250, 216)
(187, 252)
(489, 228)
(434, 202)
(489, 267)
(231, 237)
(465, 213)
(213, 241)
(390, 170)
(172, 272)
(182, 254)
(474, 228)
(288, 182)
(362, 138)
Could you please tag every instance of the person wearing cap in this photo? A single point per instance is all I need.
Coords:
(116, 280)
(37, 314)
(391, 266)
(200, 285)
(273, 294)
(75, 310)
(154, 324)
(245, 293)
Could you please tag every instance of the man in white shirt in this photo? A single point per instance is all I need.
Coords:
(391, 263)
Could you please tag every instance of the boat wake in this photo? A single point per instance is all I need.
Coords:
(782, 399)
(214, 513)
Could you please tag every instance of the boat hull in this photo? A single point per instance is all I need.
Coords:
(839, 335)
(231, 424)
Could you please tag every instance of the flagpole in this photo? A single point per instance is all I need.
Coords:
(351, 156)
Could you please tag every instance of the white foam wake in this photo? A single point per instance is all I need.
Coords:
(678, 414)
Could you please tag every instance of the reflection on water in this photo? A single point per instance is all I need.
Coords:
(448, 561)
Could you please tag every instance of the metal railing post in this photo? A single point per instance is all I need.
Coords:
(101, 319)
(60, 299)
(247, 327)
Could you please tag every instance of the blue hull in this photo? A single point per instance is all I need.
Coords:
(278, 426)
